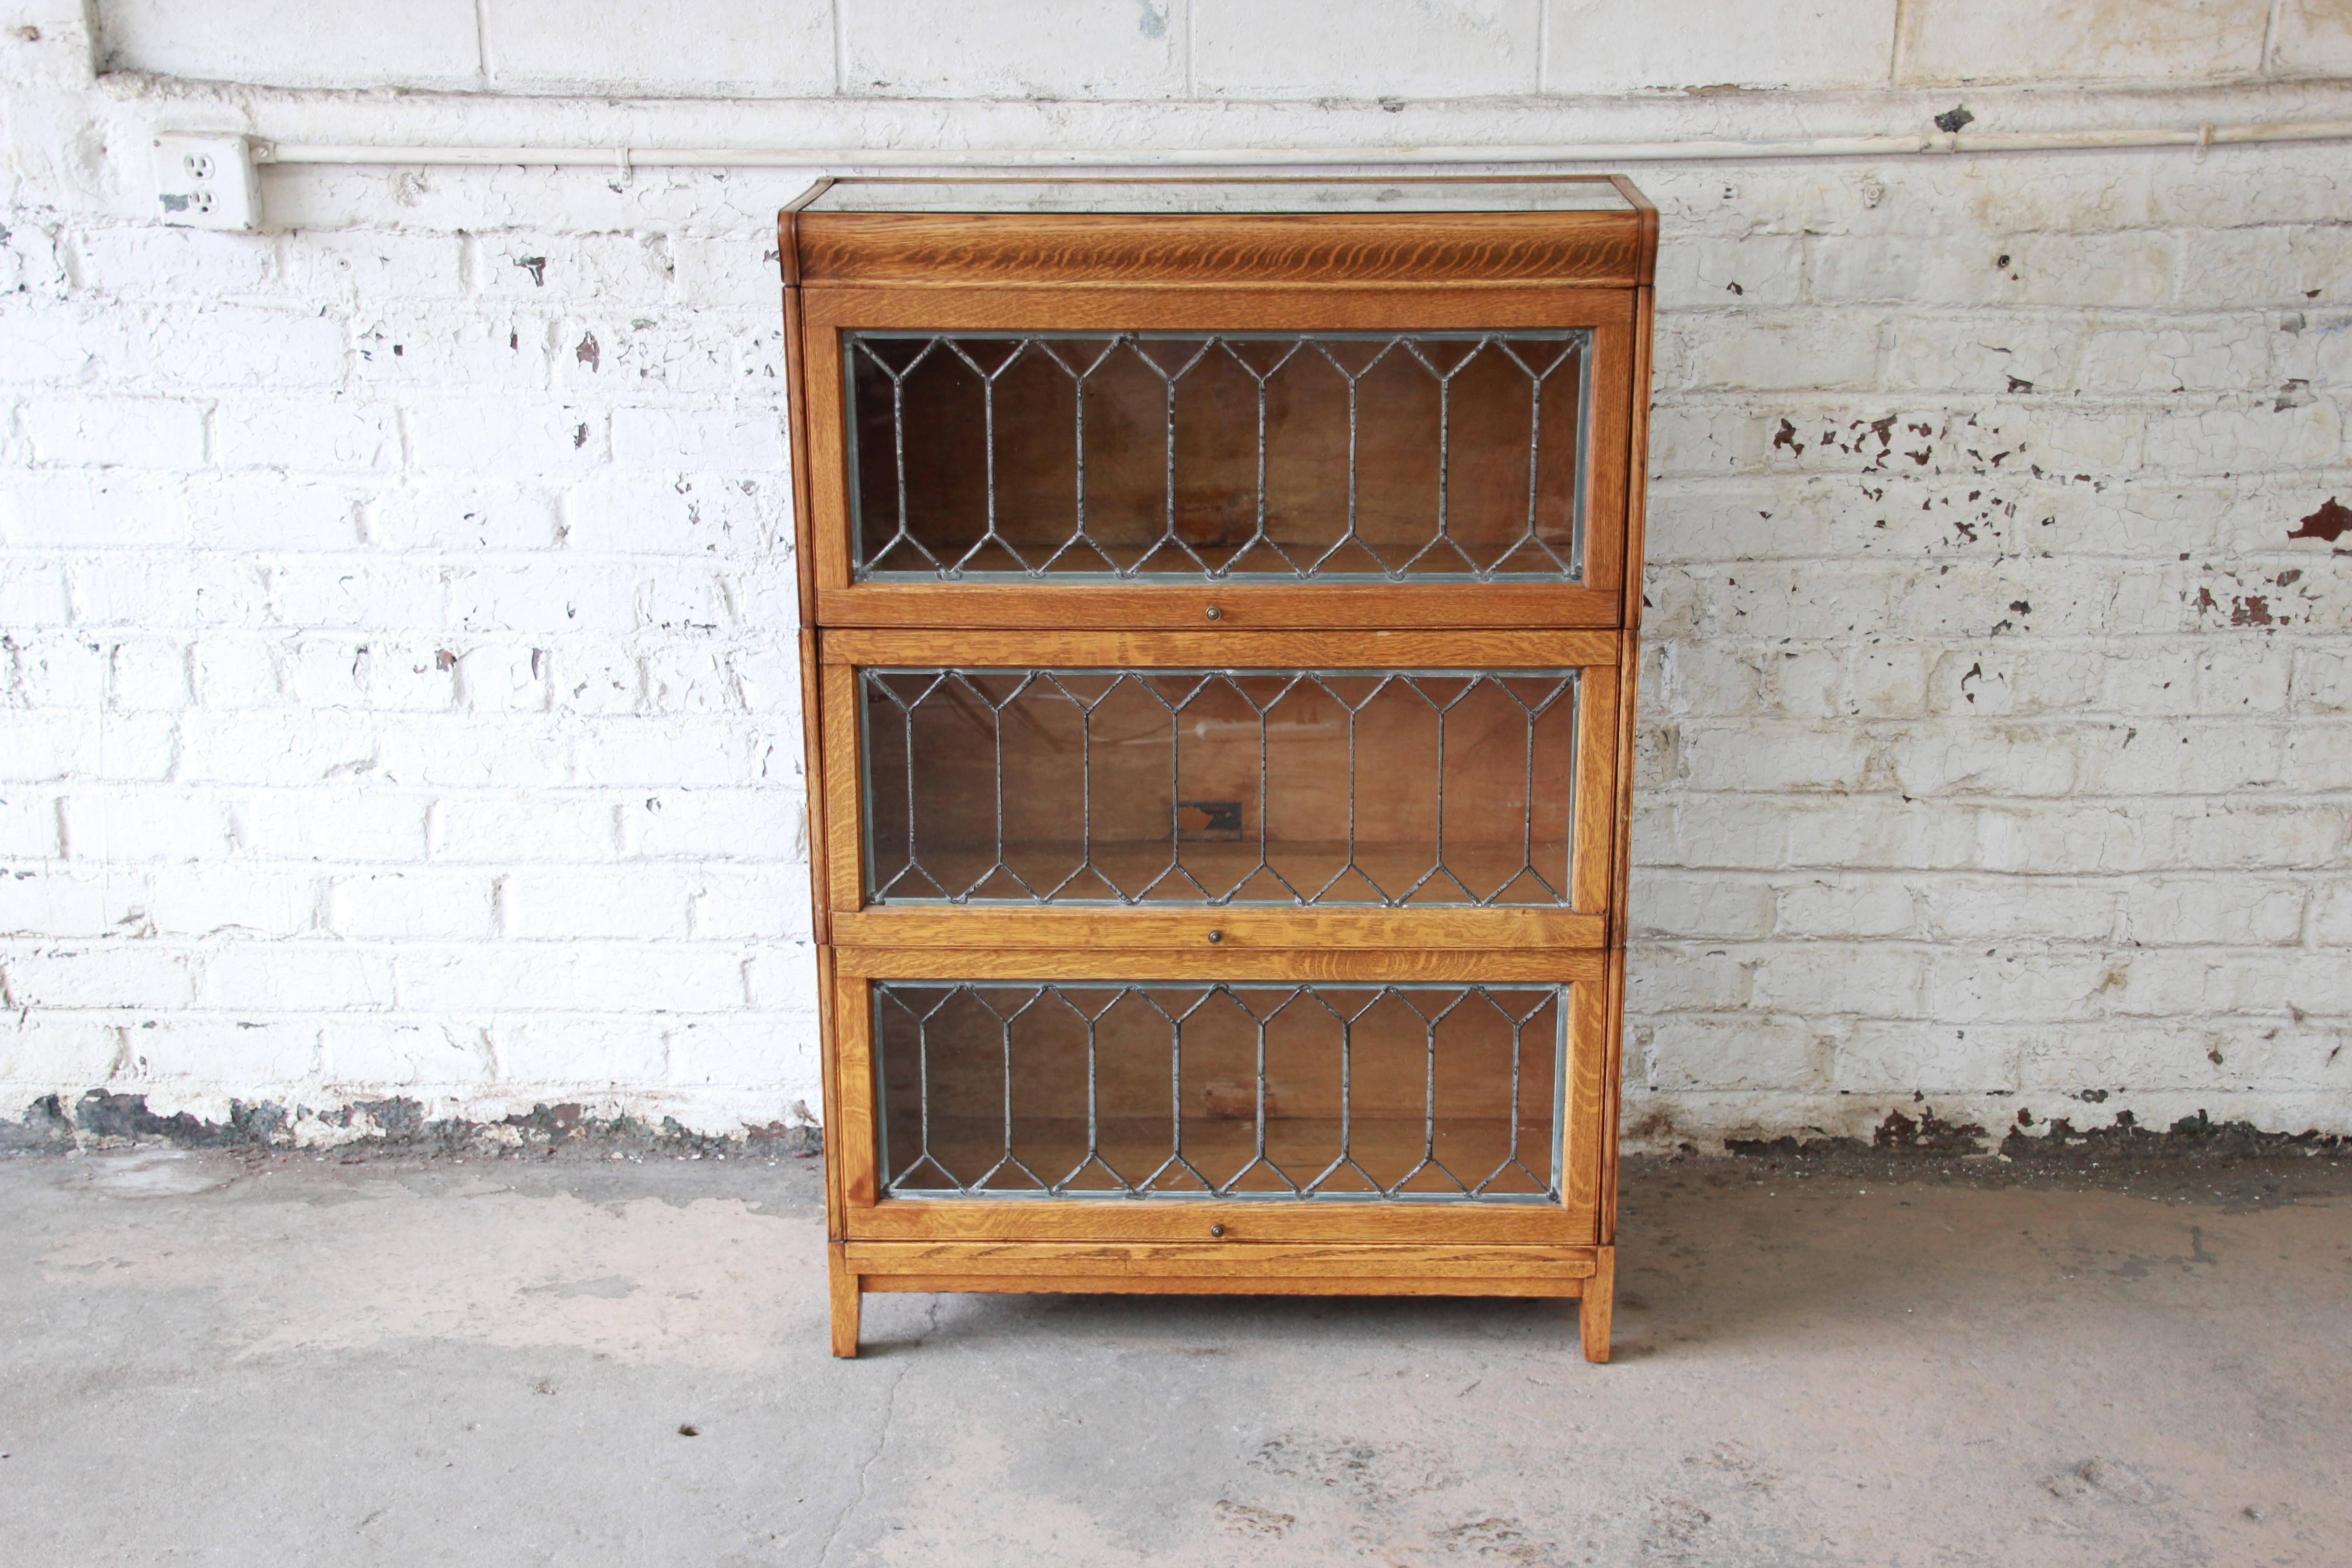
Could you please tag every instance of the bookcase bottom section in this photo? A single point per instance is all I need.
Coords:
(1072, 1087)
(1585, 1273)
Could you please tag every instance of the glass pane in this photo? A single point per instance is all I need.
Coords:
(1259, 457)
(1203, 786)
(1274, 195)
(1362, 1092)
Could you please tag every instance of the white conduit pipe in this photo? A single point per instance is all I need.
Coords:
(625, 158)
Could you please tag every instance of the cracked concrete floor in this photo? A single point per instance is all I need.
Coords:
(295, 1361)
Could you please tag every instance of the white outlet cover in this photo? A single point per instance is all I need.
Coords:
(206, 181)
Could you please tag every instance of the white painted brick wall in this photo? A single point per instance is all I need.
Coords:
(398, 692)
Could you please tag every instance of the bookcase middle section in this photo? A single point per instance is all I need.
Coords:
(1118, 783)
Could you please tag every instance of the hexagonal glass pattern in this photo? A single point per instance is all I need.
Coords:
(1167, 457)
(1175, 1090)
(1193, 787)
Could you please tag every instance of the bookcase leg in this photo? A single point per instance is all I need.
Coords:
(844, 1303)
(1599, 1304)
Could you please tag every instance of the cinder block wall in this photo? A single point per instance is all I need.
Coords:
(394, 606)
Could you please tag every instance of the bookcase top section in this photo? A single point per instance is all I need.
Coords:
(1592, 231)
(1183, 197)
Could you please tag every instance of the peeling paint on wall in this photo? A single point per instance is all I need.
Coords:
(2329, 523)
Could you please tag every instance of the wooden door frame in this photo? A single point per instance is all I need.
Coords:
(866, 1215)
(1600, 763)
(838, 600)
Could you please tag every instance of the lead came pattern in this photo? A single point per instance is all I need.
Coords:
(1295, 786)
(1255, 456)
(1361, 1092)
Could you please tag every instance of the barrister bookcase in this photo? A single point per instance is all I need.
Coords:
(1219, 602)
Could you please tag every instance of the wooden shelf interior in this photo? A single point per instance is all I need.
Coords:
(1284, 786)
(1277, 454)
(1272, 1091)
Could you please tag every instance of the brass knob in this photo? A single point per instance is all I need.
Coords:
(1216, 1230)
(1215, 614)
(1216, 936)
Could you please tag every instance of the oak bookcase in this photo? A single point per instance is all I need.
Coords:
(1219, 603)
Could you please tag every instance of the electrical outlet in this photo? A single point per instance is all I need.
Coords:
(208, 181)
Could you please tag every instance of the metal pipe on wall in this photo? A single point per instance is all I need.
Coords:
(2207, 135)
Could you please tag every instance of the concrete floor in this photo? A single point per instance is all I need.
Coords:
(296, 1361)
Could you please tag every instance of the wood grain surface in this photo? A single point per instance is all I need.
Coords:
(1599, 763)
(857, 1133)
(1220, 649)
(1252, 1284)
(983, 1219)
(1313, 249)
(842, 1287)
(954, 305)
(843, 790)
(1236, 930)
(1207, 963)
(1599, 1306)
(1210, 1257)
(1182, 605)
(1588, 1094)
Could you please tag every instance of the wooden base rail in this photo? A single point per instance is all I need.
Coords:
(1586, 1274)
